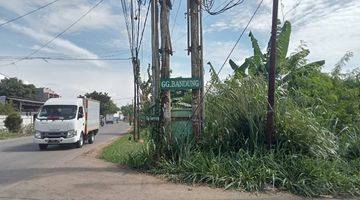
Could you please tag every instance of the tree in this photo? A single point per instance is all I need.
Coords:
(128, 111)
(332, 98)
(6, 108)
(107, 106)
(146, 88)
(13, 122)
(14, 87)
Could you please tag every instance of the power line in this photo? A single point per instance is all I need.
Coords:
(176, 15)
(26, 14)
(4, 75)
(124, 98)
(57, 36)
(144, 26)
(208, 5)
(60, 58)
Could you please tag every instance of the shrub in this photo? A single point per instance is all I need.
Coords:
(13, 122)
(27, 129)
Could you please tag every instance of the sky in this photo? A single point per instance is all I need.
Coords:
(329, 28)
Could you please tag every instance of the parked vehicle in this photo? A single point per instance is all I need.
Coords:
(109, 118)
(67, 121)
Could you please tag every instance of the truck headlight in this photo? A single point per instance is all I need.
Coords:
(71, 133)
(37, 134)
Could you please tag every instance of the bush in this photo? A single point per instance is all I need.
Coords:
(13, 122)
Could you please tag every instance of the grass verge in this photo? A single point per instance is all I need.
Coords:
(7, 135)
(120, 150)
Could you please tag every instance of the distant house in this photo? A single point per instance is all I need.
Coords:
(44, 94)
(24, 106)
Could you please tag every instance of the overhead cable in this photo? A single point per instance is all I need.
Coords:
(28, 13)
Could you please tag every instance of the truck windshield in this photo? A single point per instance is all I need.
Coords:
(60, 112)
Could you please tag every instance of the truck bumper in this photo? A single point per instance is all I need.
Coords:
(55, 140)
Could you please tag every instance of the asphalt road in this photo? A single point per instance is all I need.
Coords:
(21, 160)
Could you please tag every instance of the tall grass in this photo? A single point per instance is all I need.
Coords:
(297, 173)
(236, 118)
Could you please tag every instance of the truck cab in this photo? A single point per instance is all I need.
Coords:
(67, 121)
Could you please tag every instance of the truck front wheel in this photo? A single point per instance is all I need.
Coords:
(43, 146)
(80, 143)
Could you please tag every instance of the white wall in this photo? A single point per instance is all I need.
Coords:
(27, 120)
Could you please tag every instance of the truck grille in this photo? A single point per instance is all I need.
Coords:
(53, 135)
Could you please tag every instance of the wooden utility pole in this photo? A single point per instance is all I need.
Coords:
(155, 53)
(166, 51)
(194, 14)
(270, 128)
(136, 131)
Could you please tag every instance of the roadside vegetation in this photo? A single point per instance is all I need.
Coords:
(13, 123)
(22, 132)
(123, 150)
(317, 143)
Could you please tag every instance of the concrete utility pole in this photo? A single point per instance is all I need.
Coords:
(166, 51)
(194, 14)
(270, 128)
(155, 53)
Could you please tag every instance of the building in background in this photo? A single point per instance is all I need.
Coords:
(24, 106)
(44, 94)
(29, 106)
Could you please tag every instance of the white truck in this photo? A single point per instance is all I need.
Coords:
(67, 121)
(109, 118)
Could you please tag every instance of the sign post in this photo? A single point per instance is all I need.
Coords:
(180, 83)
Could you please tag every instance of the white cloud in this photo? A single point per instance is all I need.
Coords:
(329, 33)
(59, 45)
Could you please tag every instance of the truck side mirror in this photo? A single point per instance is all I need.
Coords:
(80, 115)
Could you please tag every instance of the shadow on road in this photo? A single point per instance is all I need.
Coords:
(10, 176)
(31, 147)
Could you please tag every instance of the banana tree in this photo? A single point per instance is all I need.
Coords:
(286, 67)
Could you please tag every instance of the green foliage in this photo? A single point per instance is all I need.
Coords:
(107, 106)
(349, 141)
(242, 105)
(13, 87)
(125, 151)
(13, 122)
(127, 111)
(146, 88)
(6, 108)
(296, 173)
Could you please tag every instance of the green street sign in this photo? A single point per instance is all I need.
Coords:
(149, 118)
(180, 83)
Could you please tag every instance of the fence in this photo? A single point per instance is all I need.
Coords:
(27, 120)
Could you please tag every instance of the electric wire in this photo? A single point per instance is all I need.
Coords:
(28, 13)
(57, 36)
(61, 58)
(144, 26)
(176, 15)
(208, 6)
